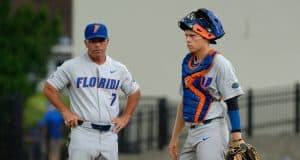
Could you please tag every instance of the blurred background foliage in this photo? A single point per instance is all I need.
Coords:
(27, 35)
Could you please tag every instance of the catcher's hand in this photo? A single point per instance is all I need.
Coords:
(243, 151)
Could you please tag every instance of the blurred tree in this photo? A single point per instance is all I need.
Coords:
(26, 38)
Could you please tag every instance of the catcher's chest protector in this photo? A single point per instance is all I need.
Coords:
(197, 99)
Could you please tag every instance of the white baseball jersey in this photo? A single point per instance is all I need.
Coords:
(94, 88)
(221, 81)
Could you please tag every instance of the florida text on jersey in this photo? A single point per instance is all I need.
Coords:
(97, 82)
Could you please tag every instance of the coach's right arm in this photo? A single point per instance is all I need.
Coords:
(53, 96)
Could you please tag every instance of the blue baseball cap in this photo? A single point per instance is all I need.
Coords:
(95, 30)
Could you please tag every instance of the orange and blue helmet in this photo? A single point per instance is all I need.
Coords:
(203, 22)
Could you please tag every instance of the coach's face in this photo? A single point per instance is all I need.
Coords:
(194, 41)
(96, 47)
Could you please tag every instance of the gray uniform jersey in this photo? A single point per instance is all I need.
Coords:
(94, 88)
(222, 83)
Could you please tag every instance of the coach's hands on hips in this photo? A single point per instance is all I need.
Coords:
(71, 119)
(173, 149)
(120, 122)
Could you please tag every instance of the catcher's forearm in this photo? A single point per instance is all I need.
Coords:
(179, 122)
(234, 114)
(234, 117)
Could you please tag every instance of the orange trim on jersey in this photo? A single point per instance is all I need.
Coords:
(203, 32)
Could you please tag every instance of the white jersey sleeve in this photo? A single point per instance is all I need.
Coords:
(226, 80)
(129, 85)
(60, 78)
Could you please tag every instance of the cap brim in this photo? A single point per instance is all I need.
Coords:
(96, 36)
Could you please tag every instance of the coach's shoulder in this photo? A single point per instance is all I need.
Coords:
(70, 62)
(115, 63)
(73, 62)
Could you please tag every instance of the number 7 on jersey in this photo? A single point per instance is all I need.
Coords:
(114, 96)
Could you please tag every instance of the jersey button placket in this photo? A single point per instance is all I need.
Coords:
(98, 94)
(99, 108)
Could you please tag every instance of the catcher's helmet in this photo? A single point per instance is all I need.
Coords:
(205, 23)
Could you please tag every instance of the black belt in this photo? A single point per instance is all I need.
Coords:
(195, 125)
(91, 125)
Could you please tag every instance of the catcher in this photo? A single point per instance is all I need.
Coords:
(208, 83)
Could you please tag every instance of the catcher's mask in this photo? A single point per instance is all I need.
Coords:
(203, 22)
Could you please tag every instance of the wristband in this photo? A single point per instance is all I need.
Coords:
(234, 117)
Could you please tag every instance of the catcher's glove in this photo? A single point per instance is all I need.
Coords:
(243, 151)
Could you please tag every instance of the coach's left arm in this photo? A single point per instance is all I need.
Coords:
(132, 102)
